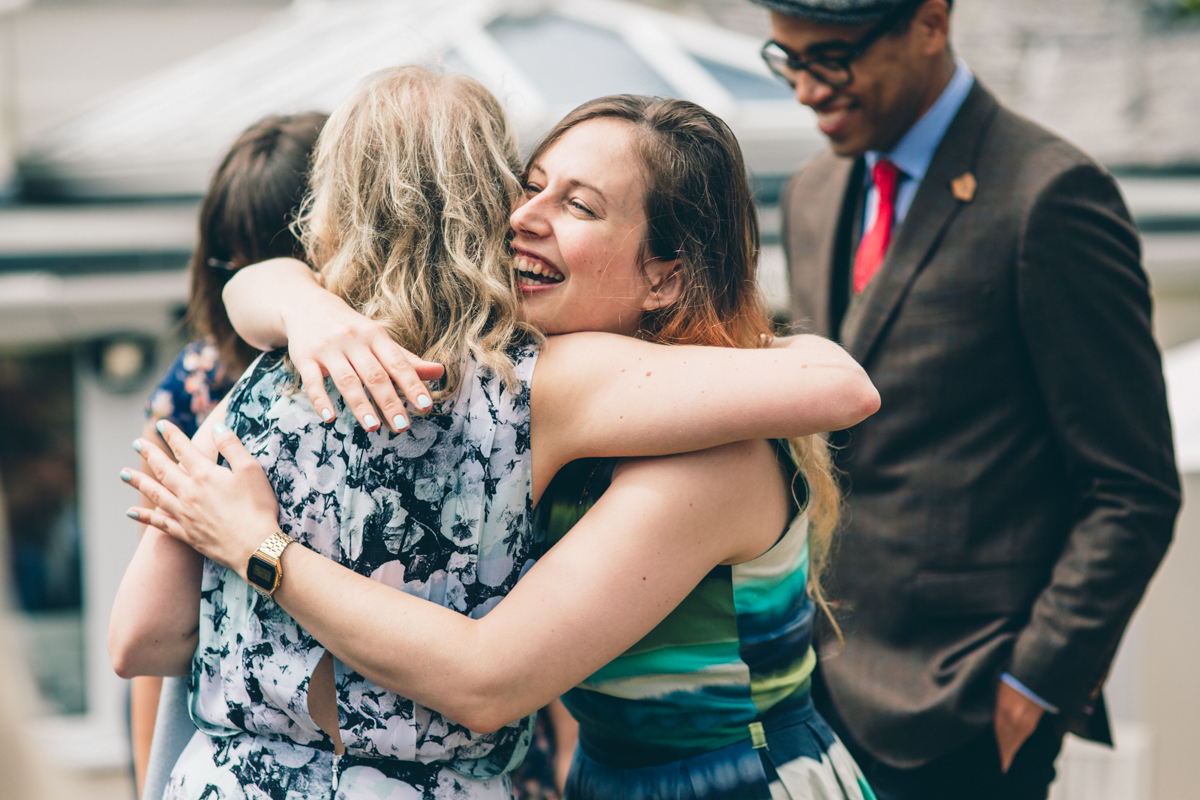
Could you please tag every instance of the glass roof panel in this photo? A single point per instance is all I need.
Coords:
(570, 62)
(746, 85)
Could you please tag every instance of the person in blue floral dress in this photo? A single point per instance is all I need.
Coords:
(192, 386)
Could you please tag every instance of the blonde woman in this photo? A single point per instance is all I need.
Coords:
(412, 188)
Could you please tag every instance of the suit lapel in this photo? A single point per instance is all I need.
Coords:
(815, 214)
(932, 211)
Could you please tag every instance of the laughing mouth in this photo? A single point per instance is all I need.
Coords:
(535, 273)
(829, 119)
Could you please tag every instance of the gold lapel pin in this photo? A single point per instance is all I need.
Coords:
(963, 187)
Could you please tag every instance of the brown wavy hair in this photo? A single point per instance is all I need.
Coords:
(700, 210)
(412, 187)
(252, 200)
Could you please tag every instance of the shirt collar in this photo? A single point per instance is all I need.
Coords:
(913, 153)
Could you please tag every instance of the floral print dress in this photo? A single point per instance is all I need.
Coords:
(192, 387)
(442, 511)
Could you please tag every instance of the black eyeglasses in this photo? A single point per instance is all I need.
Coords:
(831, 64)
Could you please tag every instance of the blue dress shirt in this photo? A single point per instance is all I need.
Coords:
(915, 150)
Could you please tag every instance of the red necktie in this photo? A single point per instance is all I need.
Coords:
(872, 247)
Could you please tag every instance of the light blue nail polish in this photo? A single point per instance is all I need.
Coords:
(370, 422)
(423, 402)
(126, 475)
(137, 445)
(160, 426)
(132, 514)
(399, 422)
(326, 414)
(220, 429)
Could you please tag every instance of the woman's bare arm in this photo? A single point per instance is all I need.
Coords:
(593, 393)
(566, 736)
(598, 394)
(153, 628)
(144, 691)
(661, 526)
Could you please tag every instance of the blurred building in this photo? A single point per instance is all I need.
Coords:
(88, 294)
(113, 112)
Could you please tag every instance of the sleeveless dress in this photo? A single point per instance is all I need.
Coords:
(442, 511)
(714, 702)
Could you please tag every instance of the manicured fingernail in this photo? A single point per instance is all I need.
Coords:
(399, 422)
(126, 475)
(326, 414)
(160, 426)
(132, 514)
(370, 422)
(220, 429)
(423, 402)
(137, 445)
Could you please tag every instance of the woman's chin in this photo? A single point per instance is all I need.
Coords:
(541, 315)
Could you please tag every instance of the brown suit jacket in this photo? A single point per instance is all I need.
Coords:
(1017, 489)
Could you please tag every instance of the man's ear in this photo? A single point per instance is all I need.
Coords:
(934, 18)
(666, 283)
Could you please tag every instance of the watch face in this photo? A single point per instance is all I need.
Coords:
(261, 573)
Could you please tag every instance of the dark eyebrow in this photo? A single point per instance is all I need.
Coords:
(832, 44)
(584, 185)
(818, 48)
(574, 182)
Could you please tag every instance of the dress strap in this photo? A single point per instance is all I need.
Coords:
(758, 736)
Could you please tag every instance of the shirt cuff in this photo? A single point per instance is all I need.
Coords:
(1027, 693)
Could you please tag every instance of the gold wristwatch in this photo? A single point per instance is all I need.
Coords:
(264, 572)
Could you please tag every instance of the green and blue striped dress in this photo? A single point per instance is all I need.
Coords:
(714, 702)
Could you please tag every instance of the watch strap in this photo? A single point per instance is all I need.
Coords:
(273, 547)
(270, 551)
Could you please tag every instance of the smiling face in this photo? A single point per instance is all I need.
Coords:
(896, 79)
(578, 234)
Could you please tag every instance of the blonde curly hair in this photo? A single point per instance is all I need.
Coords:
(413, 182)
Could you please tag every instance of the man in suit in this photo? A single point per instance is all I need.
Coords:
(1011, 500)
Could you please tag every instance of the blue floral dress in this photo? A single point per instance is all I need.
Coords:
(196, 382)
(443, 512)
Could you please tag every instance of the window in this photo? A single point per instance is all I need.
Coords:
(38, 478)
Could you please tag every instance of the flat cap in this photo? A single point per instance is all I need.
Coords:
(835, 12)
